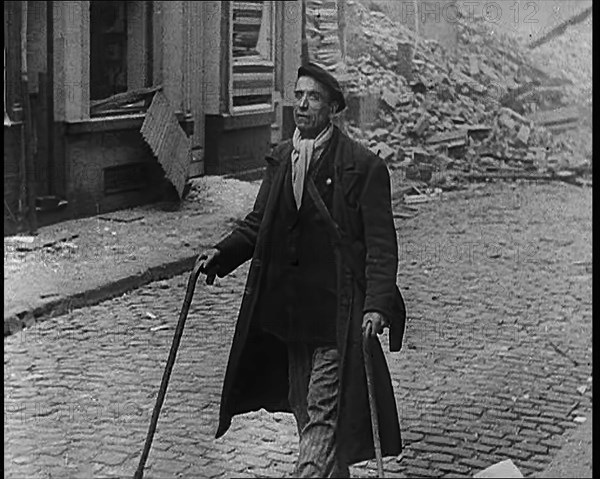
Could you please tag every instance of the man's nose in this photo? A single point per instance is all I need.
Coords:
(303, 102)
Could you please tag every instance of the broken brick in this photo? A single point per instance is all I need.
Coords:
(473, 65)
(421, 125)
(382, 150)
(523, 135)
(505, 120)
(389, 98)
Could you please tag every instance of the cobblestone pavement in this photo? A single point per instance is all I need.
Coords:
(496, 362)
(72, 263)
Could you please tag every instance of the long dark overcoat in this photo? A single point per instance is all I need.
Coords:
(257, 375)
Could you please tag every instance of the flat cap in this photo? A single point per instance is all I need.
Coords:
(327, 79)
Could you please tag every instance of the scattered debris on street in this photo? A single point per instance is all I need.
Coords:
(505, 468)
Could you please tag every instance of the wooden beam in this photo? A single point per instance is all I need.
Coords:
(130, 96)
(560, 29)
(226, 100)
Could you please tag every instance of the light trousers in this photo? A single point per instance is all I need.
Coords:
(313, 394)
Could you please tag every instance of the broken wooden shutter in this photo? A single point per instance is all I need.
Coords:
(253, 69)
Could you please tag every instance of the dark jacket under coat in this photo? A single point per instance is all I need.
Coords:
(298, 296)
(257, 375)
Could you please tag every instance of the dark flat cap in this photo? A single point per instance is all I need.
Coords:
(327, 79)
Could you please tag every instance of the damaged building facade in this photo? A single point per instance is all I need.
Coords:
(81, 77)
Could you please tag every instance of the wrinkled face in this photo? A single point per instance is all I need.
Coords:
(312, 108)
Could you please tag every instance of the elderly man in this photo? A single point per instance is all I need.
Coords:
(323, 246)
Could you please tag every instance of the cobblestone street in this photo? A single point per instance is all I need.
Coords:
(496, 361)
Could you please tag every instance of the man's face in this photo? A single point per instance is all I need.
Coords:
(312, 108)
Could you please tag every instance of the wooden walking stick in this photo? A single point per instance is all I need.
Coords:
(139, 474)
(372, 405)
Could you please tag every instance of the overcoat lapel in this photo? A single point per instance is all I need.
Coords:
(287, 190)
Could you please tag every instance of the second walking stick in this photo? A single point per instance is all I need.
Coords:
(372, 404)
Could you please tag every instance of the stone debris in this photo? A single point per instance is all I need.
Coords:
(383, 151)
(505, 468)
(161, 327)
(27, 239)
(122, 216)
(487, 113)
(416, 195)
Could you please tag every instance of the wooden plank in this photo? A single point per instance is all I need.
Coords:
(509, 175)
(255, 79)
(453, 136)
(555, 117)
(560, 29)
(252, 91)
(131, 96)
(168, 141)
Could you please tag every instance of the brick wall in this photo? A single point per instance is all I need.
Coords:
(90, 154)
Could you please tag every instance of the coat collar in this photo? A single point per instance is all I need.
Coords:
(344, 160)
(283, 151)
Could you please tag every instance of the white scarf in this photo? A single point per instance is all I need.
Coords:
(306, 150)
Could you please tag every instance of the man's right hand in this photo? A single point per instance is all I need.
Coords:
(208, 261)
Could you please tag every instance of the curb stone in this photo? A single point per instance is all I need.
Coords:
(56, 307)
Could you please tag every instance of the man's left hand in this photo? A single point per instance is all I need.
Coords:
(373, 324)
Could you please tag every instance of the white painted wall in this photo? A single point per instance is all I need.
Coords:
(292, 47)
(174, 46)
(71, 60)
(211, 26)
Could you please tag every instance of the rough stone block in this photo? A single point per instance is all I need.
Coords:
(505, 120)
(389, 98)
(383, 151)
(535, 448)
(404, 59)
(493, 441)
(421, 125)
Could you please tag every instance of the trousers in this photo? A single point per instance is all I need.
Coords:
(313, 395)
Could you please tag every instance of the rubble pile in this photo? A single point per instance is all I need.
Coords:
(484, 111)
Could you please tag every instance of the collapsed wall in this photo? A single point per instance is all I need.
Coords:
(486, 106)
